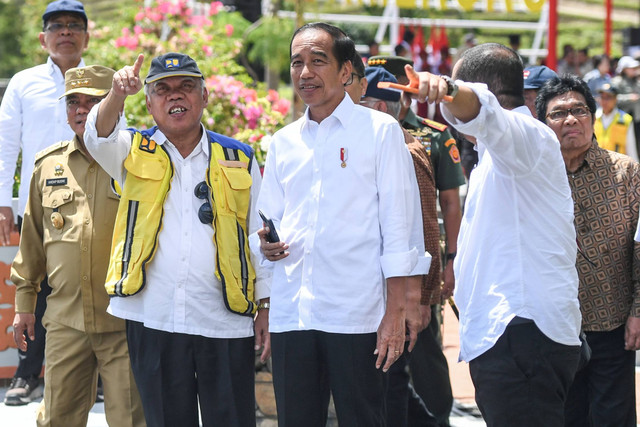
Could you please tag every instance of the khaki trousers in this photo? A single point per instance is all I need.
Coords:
(73, 361)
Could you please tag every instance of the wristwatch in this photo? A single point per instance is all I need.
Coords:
(451, 256)
(263, 305)
(452, 88)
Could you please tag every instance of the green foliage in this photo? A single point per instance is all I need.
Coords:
(269, 42)
(10, 28)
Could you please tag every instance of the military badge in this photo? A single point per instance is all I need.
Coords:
(58, 169)
(454, 153)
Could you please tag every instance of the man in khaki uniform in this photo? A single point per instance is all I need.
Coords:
(66, 234)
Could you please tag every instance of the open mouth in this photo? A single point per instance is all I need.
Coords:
(177, 110)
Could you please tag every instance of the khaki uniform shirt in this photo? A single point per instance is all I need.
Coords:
(606, 193)
(67, 186)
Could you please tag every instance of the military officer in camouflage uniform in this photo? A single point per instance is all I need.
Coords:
(428, 365)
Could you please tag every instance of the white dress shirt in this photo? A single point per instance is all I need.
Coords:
(347, 219)
(182, 293)
(517, 242)
(31, 118)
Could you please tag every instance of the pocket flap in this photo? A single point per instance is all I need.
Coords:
(147, 167)
(57, 198)
(238, 178)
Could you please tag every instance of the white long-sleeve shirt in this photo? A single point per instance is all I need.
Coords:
(182, 293)
(31, 118)
(517, 242)
(347, 227)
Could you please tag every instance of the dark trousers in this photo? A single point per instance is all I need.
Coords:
(172, 371)
(404, 407)
(424, 397)
(524, 378)
(309, 365)
(603, 393)
(30, 361)
(430, 373)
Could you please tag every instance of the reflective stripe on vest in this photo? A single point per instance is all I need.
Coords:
(139, 219)
(614, 138)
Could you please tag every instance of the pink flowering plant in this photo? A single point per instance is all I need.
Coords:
(238, 106)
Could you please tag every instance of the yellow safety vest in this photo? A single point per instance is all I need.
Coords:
(614, 138)
(139, 218)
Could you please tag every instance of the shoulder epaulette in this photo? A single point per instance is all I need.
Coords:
(437, 126)
(50, 149)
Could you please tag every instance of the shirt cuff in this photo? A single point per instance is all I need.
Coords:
(26, 301)
(399, 264)
(422, 265)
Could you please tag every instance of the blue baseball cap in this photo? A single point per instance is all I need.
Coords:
(535, 77)
(172, 64)
(379, 74)
(64, 6)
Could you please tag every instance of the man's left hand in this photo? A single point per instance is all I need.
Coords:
(261, 329)
(632, 334)
(449, 281)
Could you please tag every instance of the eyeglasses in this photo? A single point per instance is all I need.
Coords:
(205, 213)
(74, 27)
(577, 112)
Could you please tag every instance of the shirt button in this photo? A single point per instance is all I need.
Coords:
(89, 196)
(84, 249)
(92, 170)
(86, 221)
(85, 278)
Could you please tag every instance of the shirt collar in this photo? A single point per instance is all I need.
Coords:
(54, 70)
(342, 112)
(593, 154)
(203, 145)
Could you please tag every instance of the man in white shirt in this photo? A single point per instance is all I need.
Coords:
(337, 184)
(180, 272)
(32, 117)
(517, 284)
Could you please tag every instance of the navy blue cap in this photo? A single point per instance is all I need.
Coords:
(64, 6)
(535, 77)
(172, 64)
(379, 74)
(608, 88)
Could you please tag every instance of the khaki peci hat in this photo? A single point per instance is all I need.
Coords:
(92, 80)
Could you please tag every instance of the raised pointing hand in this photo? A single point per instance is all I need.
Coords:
(126, 81)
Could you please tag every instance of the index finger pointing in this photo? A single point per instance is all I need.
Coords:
(138, 65)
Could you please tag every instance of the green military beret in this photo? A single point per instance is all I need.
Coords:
(393, 64)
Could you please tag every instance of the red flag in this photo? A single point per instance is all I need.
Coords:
(443, 40)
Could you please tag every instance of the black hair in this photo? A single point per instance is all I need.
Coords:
(497, 66)
(557, 86)
(358, 65)
(343, 47)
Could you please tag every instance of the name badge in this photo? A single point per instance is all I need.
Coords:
(56, 181)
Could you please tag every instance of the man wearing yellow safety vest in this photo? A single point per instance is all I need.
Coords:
(180, 272)
(613, 127)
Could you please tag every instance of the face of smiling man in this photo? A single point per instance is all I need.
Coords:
(176, 104)
(316, 75)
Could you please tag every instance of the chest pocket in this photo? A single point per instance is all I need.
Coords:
(149, 172)
(60, 213)
(237, 186)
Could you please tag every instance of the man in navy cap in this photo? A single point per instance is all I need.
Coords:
(534, 78)
(31, 119)
(189, 294)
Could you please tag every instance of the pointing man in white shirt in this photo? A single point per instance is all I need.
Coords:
(180, 272)
(337, 184)
(517, 284)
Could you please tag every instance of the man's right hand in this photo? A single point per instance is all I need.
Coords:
(23, 322)
(126, 81)
(7, 225)
(272, 251)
